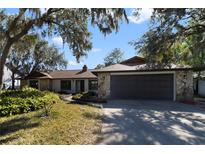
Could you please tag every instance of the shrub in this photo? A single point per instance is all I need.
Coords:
(24, 93)
(84, 95)
(25, 100)
(48, 101)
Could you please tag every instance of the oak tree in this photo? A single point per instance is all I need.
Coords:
(33, 53)
(70, 24)
(114, 57)
(170, 26)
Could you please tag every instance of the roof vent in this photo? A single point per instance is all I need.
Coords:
(85, 68)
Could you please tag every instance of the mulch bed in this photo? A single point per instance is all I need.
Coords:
(190, 102)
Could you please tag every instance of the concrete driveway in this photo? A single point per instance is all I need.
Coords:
(152, 122)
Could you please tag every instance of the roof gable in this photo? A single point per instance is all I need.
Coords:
(36, 74)
(136, 60)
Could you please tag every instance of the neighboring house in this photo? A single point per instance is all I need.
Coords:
(66, 81)
(6, 77)
(133, 79)
(7, 82)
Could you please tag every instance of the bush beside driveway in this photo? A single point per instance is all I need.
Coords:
(152, 122)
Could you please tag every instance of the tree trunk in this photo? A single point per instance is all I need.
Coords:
(3, 57)
(1, 75)
(13, 80)
(8, 45)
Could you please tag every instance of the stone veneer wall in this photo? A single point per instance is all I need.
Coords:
(103, 85)
(184, 85)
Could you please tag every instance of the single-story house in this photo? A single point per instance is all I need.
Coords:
(130, 79)
(134, 79)
(65, 81)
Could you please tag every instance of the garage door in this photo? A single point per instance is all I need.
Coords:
(149, 86)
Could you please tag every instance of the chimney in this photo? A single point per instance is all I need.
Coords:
(85, 68)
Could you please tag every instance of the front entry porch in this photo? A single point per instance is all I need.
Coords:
(79, 86)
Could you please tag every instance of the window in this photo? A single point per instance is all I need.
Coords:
(93, 84)
(65, 85)
(33, 83)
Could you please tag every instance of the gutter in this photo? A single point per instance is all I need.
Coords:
(152, 70)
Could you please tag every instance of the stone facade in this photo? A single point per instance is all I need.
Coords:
(184, 85)
(104, 85)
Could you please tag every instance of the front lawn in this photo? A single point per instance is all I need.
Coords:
(68, 124)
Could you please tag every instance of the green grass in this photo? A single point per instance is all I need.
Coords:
(69, 124)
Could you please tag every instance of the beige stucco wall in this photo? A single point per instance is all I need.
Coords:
(184, 85)
(56, 85)
(86, 85)
(44, 84)
(73, 86)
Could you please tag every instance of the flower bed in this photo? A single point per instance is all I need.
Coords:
(87, 97)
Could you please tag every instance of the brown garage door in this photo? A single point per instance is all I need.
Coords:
(149, 86)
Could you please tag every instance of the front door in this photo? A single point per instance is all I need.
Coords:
(80, 86)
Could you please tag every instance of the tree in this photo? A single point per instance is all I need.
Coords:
(191, 51)
(70, 24)
(31, 54)
(18, 55)
(169, 26)
(99, 66)
(114, 57)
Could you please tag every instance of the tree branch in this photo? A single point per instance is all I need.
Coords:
(13, 24)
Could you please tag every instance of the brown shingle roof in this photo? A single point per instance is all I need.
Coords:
(115, 67)
(35, 75)
(64, 74)
(72, 74)
(138, 64)
(143, 67)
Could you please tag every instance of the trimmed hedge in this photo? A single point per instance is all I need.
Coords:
(22, 101)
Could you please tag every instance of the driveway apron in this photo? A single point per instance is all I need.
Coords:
(152, 122)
